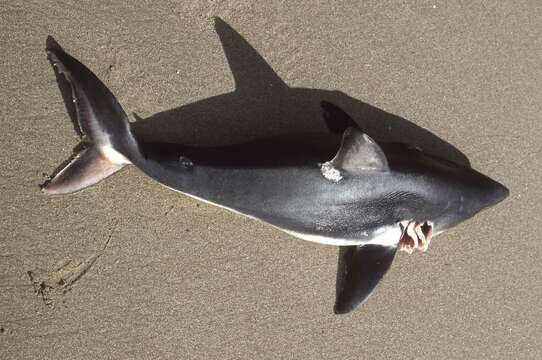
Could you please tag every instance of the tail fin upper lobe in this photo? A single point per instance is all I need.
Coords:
(106, 135)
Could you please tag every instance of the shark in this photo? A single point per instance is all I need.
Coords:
(340, 187)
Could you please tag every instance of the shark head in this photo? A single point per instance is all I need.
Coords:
(465, 192)
(386, 185)
(450, 193)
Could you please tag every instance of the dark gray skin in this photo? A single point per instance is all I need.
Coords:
(279, 180)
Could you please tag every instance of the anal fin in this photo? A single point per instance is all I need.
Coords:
(360, 269)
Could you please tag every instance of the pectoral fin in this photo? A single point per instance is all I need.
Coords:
(360, 269)
(357, 155)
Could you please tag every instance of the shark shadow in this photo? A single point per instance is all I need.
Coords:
(262, 104)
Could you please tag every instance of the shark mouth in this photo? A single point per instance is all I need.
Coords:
(415, 236)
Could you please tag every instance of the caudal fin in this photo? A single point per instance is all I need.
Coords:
(107, 140)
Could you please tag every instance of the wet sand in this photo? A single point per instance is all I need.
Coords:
(159, 275)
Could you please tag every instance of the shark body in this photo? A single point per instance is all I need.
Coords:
(339, 188)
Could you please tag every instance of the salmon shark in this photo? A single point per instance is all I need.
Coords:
(338, 188)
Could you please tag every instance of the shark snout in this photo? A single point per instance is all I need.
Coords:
(486, 192)
(496, 193)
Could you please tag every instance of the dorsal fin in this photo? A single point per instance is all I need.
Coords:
(359, 153)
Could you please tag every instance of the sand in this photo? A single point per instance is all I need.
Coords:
(154, 274)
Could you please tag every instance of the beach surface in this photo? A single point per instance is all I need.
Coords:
(128, 269)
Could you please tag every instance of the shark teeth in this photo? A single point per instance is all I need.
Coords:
(416, 235)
